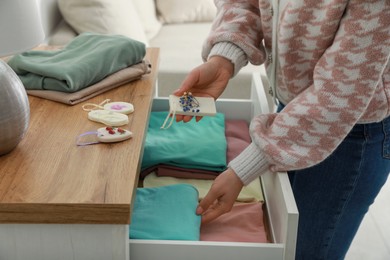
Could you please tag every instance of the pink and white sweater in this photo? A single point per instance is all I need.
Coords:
(328, 61)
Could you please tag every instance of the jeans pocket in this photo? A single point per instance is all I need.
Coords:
(386, 141)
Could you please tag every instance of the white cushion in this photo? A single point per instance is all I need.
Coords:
(62, 34)
(182, 11)
(147, 12)
(103, 16)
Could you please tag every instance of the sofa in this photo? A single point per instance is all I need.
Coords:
(177, 27)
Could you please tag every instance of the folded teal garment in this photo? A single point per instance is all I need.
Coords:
(86, 60)
(166, 213)
(196, 145)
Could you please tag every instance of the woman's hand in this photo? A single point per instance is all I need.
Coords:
(221, 197)
(207, 80)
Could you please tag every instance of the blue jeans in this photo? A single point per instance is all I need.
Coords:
(333, 196)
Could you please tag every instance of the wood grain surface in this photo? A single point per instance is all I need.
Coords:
(47, 178)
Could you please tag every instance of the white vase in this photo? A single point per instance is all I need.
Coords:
(14, 109)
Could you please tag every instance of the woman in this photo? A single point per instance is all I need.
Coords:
(328, 67)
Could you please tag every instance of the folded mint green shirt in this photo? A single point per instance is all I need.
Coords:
(195, 145)
(166, 213)
(86, 60)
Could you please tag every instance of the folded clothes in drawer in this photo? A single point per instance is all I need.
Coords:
(166, 213)
(199, 145)
(250, 193)
(211, 145)
(185, 153)
(244, 223)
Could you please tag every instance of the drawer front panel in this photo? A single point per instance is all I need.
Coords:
(193, 250)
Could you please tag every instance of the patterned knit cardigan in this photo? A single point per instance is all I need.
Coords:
(331, 69)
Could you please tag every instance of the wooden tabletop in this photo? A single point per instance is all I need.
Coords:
(47, 178)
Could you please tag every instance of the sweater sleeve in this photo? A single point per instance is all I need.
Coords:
(236, 33)
(345, 79)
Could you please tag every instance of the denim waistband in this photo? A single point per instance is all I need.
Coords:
(369, 129)
(366, 129)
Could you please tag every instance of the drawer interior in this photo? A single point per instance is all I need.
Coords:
(281, 219)
(280, 211)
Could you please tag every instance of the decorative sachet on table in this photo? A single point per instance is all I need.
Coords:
(104, 135)
(109, 113)
(166, 213)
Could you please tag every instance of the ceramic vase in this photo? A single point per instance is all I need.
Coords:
(14, 109)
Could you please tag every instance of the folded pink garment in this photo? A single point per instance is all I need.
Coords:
(244, 223)
(179, 172)
(237, 137)
(112, 81)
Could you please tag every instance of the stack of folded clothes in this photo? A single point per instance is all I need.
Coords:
(194, 153)
(88, 66)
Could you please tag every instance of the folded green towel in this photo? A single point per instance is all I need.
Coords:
(194, 145)
(87, 59)
(166, 213)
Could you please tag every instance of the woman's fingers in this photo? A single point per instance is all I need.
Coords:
(214, 212)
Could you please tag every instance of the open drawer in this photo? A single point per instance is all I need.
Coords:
(281, 211)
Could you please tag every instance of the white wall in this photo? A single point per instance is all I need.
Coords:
(49, 14)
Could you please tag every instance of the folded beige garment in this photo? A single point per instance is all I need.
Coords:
(253, 192)
(114, 80)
